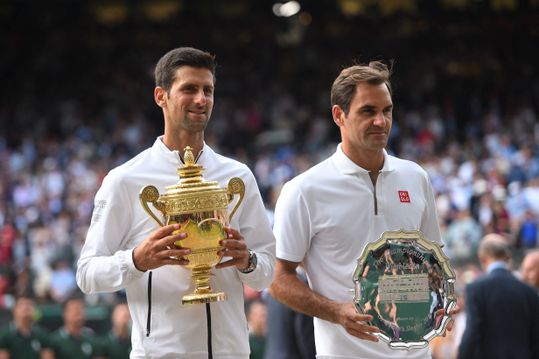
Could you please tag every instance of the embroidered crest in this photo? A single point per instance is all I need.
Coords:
(404, 197)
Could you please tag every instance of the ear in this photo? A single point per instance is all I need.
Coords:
(338, 115)
(160, 96)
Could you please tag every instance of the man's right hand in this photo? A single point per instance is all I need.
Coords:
(158, 249)
(355, 323)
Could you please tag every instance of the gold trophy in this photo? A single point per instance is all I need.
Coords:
(200, 207)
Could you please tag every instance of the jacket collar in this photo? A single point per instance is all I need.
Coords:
(173, 156)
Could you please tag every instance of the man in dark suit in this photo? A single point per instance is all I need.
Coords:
(502, 313)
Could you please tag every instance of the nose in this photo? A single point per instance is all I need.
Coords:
(379, 119)
(200, 98)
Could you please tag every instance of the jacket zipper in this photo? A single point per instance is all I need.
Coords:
(149, 318)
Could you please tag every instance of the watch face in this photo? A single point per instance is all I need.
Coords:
(252, 263)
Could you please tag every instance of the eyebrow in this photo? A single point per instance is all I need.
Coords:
(371, 107)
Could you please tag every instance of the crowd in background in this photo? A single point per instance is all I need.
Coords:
(78, 104)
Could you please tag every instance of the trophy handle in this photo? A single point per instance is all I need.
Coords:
(151, 194)
(235, 186)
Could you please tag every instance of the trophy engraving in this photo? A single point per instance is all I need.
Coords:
(407, 284)
(201, 208)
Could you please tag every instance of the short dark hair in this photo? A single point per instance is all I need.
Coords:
(166, 67)
(345, 85)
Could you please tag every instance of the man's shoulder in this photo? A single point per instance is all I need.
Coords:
(497, 278)
(404, 165)
(222, 160)
(315, 175)
(137, 162)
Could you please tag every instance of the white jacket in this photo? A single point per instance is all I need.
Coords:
(162, 326)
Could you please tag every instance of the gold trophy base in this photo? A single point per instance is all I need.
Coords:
(201, 298)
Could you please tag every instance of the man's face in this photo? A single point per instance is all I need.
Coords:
(74, 313)
(24, 310)
(530, 270)
(189, 102)
(366, 126)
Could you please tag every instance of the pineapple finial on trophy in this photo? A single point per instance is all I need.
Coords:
(188, 157)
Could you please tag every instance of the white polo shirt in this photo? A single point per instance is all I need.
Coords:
(325, 217)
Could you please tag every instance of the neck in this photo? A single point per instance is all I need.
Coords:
(372, 161)
(489, 261)
(73, 330)
(24, 326)
(194, 140)
(121, 331)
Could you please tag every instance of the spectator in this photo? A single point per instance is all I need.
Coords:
(23, 338)
(488, 334)
(73, 339)
(530, 269)
(117, 343)
(257, 321)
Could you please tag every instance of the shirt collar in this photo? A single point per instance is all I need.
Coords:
(347, 166)
(496, 265)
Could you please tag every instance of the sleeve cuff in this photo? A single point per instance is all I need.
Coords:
(129, 264)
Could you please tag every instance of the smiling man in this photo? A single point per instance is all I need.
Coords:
(326, 216)
(124, 249)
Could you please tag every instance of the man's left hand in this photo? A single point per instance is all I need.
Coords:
(234, 246)
(441, 312)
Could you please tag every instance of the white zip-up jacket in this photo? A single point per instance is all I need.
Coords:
(162, 326)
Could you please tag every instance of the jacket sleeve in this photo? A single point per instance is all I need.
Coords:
(104, 264)
(255, 228)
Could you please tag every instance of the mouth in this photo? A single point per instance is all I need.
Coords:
(198, 112)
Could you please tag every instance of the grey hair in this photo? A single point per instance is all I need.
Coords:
(495, 246)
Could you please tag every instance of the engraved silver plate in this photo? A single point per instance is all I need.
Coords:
(407, 284)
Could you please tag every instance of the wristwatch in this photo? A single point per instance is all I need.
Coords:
(252, 263)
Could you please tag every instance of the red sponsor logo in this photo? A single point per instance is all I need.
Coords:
(404, 197)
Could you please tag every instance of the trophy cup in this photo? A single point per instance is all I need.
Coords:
(200, 207)
(407, 284)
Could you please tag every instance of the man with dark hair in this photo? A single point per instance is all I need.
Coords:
(326, 216)
(73, 339)
(123, 249)
(502, 313)
(22, 338)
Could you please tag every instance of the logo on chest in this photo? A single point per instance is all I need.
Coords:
(404, 197)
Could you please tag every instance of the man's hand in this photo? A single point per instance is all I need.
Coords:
(158, 249)
(452, 312)
(355, 323)
(234, 246)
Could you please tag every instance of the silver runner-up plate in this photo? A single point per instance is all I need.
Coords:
(407, 284)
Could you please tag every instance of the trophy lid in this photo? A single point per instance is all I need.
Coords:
(191, 179)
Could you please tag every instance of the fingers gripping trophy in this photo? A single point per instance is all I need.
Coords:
(201, 208)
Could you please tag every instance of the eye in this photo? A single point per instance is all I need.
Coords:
(367, 111)
(189, 89)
